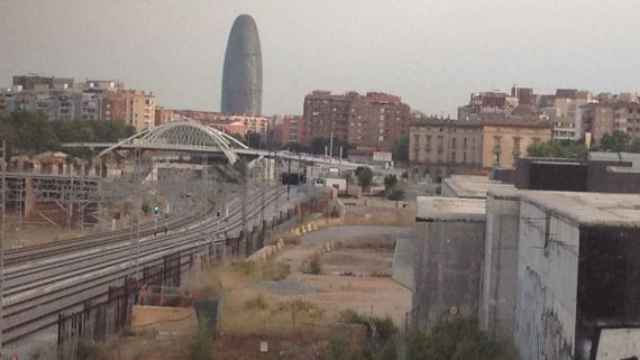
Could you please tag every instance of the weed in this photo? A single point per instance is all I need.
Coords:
(257, 303)
(292, 240)
(275, 271)
(380, 274)
(270, 270)
(314, 266)
(457, 339)
(202, 345)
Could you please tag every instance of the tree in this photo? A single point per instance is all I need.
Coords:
(616, 142)
(634, 147)
(33, 132)
(365, 176)
(390, 181)
(295, 147)
(558, 149)
(401, 149)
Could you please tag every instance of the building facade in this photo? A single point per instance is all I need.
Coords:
(242, 73)
(503, 142)
(64, 99)
(233, 124)
(443, 147)
(288, 129)
(370, 122)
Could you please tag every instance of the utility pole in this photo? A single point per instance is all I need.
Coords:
(331, 144)
(3, 221)
(245, 190)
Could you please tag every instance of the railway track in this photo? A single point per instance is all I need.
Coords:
(39, 288)
(34, 252)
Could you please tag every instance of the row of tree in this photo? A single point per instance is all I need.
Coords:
(617, 142)
(32, 133)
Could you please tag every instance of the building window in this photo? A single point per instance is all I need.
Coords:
(516, 147)
(453, 143)
(464, 143)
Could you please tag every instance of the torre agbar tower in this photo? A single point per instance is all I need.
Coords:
(242, 76)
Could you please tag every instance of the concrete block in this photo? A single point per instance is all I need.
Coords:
(449, 251)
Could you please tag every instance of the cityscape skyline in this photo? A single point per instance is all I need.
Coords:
(559, 49)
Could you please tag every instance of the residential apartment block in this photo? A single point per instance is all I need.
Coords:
(65, 99)
(370, 122)
(288, 129)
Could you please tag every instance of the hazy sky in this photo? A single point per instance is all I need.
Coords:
(430, 52)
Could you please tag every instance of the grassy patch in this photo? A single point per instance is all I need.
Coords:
(257, 303)
(313, 265)
(269, 270)
(458, 339)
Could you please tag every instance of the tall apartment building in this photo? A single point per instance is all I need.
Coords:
(489, 104)
(598, 119)
(626, 117)
(374, 121)
(326, 115)
(133, 107)
(64, 99)
(565, 112)
(442, 147)
(288, 129)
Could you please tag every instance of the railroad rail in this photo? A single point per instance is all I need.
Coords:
(39, 288)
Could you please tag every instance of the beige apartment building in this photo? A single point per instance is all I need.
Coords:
(445, 147)
(442, 147)
(504, 141)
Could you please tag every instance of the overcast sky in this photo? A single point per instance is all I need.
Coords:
(433, 53)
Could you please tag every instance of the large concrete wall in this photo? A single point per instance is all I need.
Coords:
(499, 281)
(449, 256)
(545, 320)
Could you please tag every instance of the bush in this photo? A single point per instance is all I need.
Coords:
(380, 335)
(257, 303)
(315, 265)
(202, 345)
(456, 340)
(396, 195)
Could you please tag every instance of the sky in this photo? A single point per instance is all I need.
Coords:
(432, 53)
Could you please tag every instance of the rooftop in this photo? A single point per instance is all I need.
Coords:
(468, 186)
(450, 209)
(621, 210)
(473, 186)
(612, 156)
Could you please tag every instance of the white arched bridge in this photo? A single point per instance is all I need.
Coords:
(193, 137)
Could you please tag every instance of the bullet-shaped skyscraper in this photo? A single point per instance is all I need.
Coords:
(242, 77)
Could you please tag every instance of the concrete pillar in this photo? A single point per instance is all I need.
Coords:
(29, 197)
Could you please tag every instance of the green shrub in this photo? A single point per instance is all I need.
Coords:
(258, 303)
(202, 345)
(457, 340)
(315, 265)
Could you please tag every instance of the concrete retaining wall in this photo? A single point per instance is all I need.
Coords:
(545, 315)
(499, 282)
(448, 268)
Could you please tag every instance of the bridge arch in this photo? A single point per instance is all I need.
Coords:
(182, 135)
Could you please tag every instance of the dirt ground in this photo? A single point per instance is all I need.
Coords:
(37, 233)
(293, 312)
(354, 276)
